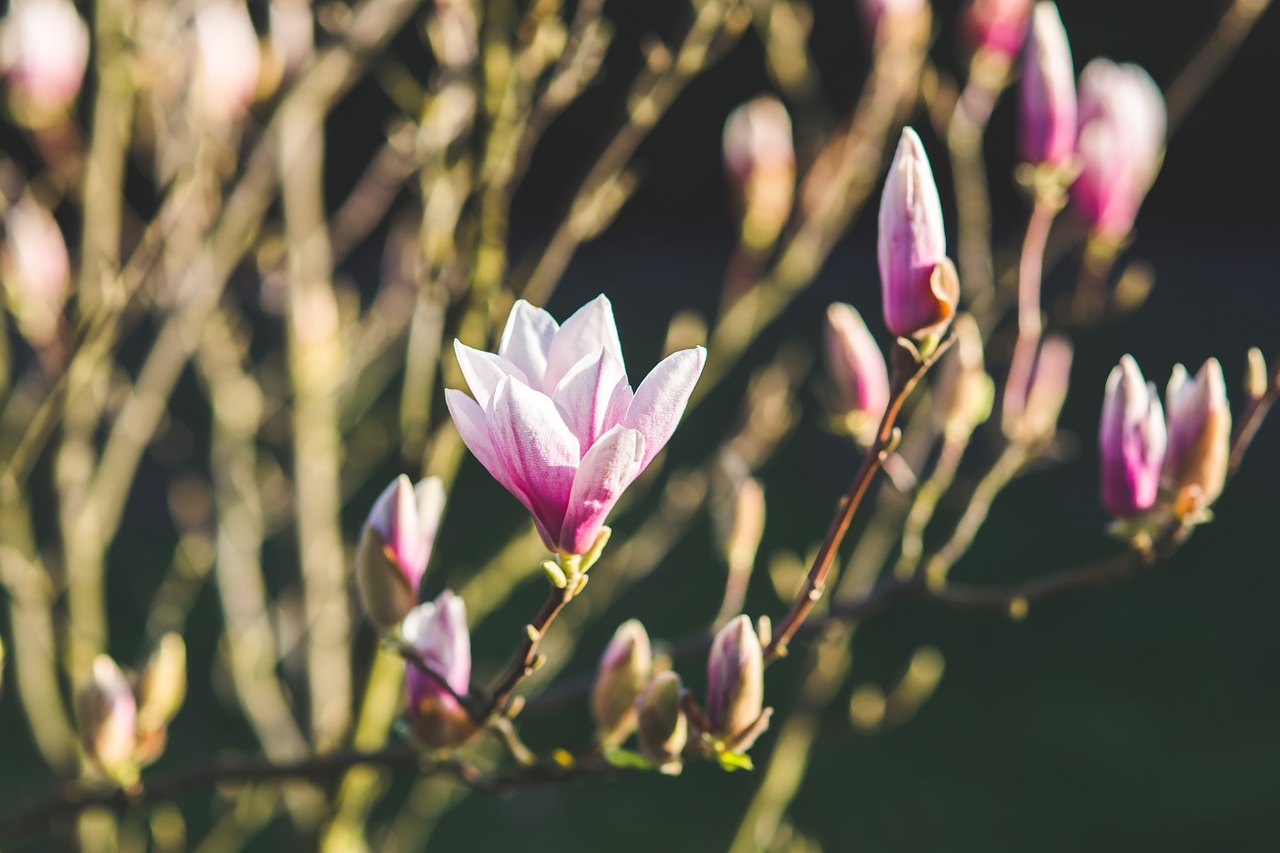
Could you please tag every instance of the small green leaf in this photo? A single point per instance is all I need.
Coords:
(732, 761)
(627, 760)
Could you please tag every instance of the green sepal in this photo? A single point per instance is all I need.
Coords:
(734, 761)
(626, 759)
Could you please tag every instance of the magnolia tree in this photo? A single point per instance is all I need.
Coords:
(310, 389)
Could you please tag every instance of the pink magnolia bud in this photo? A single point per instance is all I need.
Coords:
(108, 718)
(44, 48)
(858, 372)
(1120, 144)
(555, 421)
(1131, 441)
(1048, 92)
(437, 632)
(735, 685)
(228, 61)
(1031, 410)
(996, 25)
(761, 164)
(663, 729)
(1199, 422)
(395, 547)
(918, 281)
(622, 674)
(36, 269)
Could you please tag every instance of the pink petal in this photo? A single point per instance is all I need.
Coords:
(589, 329)
(484, 370)
(585, 393)
(526, 340)
(533, 443)
(606, 471)
(660, 400)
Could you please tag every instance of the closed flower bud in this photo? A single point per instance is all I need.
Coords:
(108, 718)
(1048, 92)
(228, 61)
(858, 375)
(1199, 425)
(1131, 442)
(44, 48)
(996, 25)
(663, 729)
(735, 685)
(741, 524)
(1120, 144)
(437, 633)
(162, 687)
(918, 282)
(622, 674)
(36, 269)
(965, 391)
(1031, 410)
(761, 165)
(395, 547)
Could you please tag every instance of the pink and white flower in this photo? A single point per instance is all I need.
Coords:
(858, 372)
(437, 633)
(1131, 441)
(555, 419)
(1048, 93)
(1199, 424)
(395, 546)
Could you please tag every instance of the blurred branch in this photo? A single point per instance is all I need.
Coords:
(1211, 58)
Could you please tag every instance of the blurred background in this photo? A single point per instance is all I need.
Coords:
(1146, 714)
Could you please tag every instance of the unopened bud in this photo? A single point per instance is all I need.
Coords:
(918, 281)
(1199, 426)
(739, 529)
(663, 728)
(35, 268)
(965, 391)
(44, 48)
(859, 377)
(437, 633)
(1048, 118)
(108, 718)
(1255, 375)
(162, 686)
(1131, 441)
(395, 546)
(228, 60)
(1031, 412)
(623, 672)
(761, 165)
(735, 685)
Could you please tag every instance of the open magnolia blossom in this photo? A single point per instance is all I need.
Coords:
(556, 422)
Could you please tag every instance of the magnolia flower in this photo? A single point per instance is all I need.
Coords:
(229, 59)
(36, 268)
(1131, 441)
(918, 281)
(857, 369)
(395, 547)
(44, 48)
(108, 719)
(662, 727)
(996, 25)
(437, 633)
(735, 686)
(622, 674)
(555, 421)
(1120, 143)
(761, 165)
(1199, 425)
(1048, 92)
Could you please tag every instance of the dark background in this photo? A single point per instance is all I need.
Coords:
(1146, 715)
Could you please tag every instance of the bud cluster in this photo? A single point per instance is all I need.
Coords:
(124, 719)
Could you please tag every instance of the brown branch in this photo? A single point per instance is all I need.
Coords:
(526, 659)
(907, 371)
(1254, 414)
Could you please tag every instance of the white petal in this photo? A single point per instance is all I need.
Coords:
(590, 328)
(536, 447)
(660, 400)
(526, 340)
(606, 471)
(585, 393)
(484, 370)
